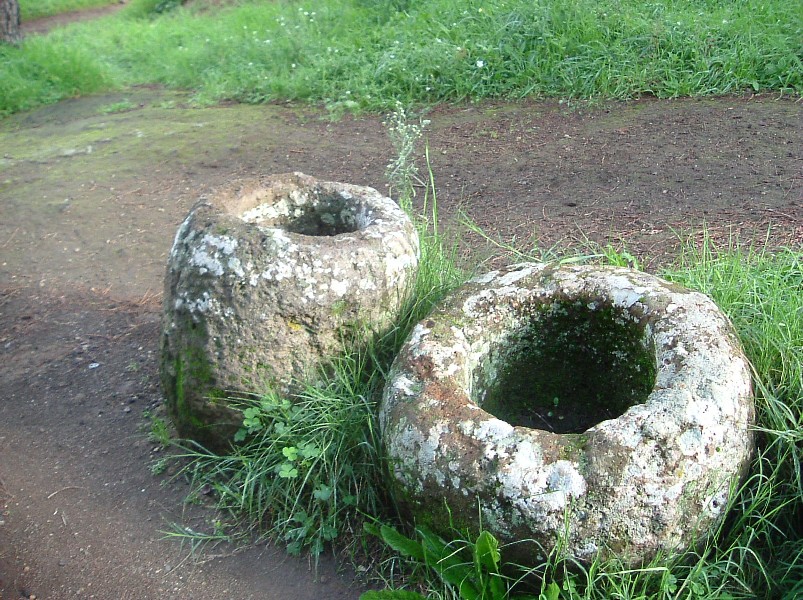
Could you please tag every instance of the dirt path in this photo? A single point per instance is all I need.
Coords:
(89, 202)
(45, 24)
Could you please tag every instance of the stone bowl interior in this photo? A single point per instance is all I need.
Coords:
(568, 366)
(306, 211)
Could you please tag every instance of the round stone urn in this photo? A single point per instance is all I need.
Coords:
(597, 410)
(267, 281)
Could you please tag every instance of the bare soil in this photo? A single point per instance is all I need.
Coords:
(45, 24)
(92, 191)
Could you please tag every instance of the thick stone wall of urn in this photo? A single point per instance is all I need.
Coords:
(269, 279)
(599, 410)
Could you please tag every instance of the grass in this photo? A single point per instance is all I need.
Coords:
(368, 54)
(34, 9)
(47, 74)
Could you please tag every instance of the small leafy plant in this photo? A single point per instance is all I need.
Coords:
(402, 172)
(472, 569)
(117, 107)
(296, 468)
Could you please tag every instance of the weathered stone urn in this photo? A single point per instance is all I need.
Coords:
(598, 410)
(267, 281)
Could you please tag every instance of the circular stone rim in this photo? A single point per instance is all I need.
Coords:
(433, 375)
(376, 217)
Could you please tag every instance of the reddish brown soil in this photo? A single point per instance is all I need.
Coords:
(90, 200)
(45, 24)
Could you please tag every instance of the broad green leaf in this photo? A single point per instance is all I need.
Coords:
(401, 543)
(251, 413)
(287, 471)
(322, 493)
(309, 451)
(328, 533)
(444, 557)
(499, 588)
(294, 548)
(435, 547)
(552, 592)
(486, 552)
(469, 591)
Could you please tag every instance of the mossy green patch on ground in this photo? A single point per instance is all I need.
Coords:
(149, 130)
(104, 178)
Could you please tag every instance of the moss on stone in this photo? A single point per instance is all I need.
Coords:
(189, 366)
(572, 365)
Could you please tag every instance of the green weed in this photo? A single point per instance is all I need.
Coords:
(402, 172)
(160, 465)
(117, 107)
(471, 570)
(197, 542)
(361, 55)
(158, 429)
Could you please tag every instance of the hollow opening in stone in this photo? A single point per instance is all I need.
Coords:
(573, 365)
(328, 215)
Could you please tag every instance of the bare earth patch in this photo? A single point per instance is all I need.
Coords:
(45, 24)
(91, 194)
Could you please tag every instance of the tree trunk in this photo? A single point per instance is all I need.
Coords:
(10, 21)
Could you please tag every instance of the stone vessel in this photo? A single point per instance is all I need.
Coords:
(268, 280)
(599, 410)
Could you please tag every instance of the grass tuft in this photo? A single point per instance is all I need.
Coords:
(368, 54)
(41, 73)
